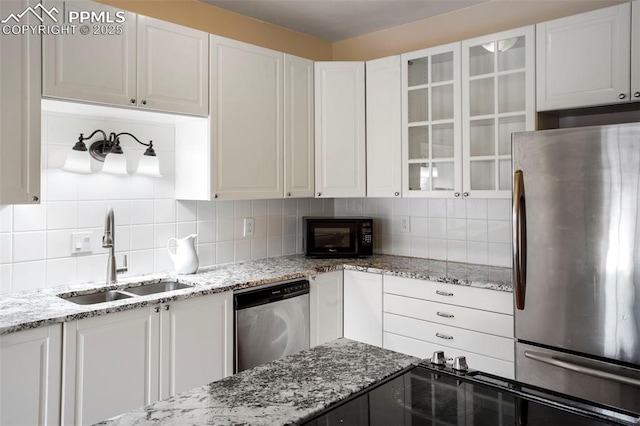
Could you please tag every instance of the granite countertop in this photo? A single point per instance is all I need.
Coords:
(31, 309)
(281, 392)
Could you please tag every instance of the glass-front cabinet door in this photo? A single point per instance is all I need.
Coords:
(431, 113)
(498, 88)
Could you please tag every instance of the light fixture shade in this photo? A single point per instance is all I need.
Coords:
(115, 164)
(149, 166)
(77, 162)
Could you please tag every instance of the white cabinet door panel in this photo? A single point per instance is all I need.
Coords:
(584, 60)
(325, 307)
(635, 51)
(363, 307)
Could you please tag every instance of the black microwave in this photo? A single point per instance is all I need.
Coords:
(337, 236)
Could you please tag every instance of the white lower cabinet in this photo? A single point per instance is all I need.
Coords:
(118, 362)
(30, 369)
(363, 307)
(325, 307)
(421, 317)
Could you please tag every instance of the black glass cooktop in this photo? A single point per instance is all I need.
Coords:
(432, 395)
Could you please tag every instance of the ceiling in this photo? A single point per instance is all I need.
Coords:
(334, 20)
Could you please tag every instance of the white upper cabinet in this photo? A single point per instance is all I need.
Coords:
(143, 63)
(298, 127)
(498, 92)
(431, 122)
(635, 51)
(384, 128)
(246, 121)
(340, 129)
(19, 111)
(584, 60)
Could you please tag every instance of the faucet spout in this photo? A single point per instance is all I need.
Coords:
(108, 241)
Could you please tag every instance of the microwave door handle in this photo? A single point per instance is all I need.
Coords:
(519, 239)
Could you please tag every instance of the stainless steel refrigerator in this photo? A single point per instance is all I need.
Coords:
(576, 249)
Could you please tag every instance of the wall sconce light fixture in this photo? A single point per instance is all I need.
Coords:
(109, 152)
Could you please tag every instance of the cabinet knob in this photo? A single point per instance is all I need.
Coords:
(465, 194)
(313, 278)
(397, 194)
(144, 102)
(318, 194)
(167, 307)
(456, 194)
(156, 309)
(133, 101)
(288, 194)
(215, 195)
(636, 95)
(622, 96)
(35, 198)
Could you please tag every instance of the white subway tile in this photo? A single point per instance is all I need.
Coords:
(274, 227)
(142, 237)
(259, 207)
(243, 208)
(164, 231)
(499, 254)
(207, 254)
(5, 279)
(143, 187)
(437, 249)
(162, 261)
(92, 214)
(142, 212)
(341, 206)
(456, 208)
(420, 207)
(224, 209)
(355, 206)
(328, 206)
(289, 225)
(476, 208)
(437, 228)
(29, 217)
(370, 207)
(242, 250)
(401, 244)
(224, 252)
(385, 243)
(206, 231)
(186, 211)
(55, 157)
(6, 247)
(29, 246)
(274, 246)
(27, 276)
(274, 207)
(61, 185)
(499, 209)
(499, 231)
(258, 248)
(419, 247)
(238, 226)
(437, 207)
(141, 262)
(60, 272)
(206, 210)
(288, 245)
(385, 206)
(315, 206)
(6, 218)
(419, 226)
(303, 206)
(123, 238)
(165, 211)
(58, 243)
(476, 230)
(289, 207)
(61, 215)
(477, 252)
(456, 251)
(401, 206)
(187, 228)
(224, 229)
(122, 211)
(457, 229)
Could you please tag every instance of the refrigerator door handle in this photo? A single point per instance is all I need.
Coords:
(519, 239)
(601, 374)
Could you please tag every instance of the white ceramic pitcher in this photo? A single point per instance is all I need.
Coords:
(185, 258)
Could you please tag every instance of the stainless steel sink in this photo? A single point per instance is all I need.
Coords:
(161, 287)
(97, 297)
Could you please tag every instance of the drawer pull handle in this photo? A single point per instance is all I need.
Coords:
(444, 314)
(443, 293)
(444, 336)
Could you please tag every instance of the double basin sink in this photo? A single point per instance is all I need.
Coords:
(133, 290)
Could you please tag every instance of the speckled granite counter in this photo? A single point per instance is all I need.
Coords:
(278, 393)
(33, 309)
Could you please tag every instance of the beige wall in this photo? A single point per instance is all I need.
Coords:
(218, 21)
(484, 18)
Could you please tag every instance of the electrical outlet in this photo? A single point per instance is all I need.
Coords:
(404, 224)
(81, 242)
(249, 227)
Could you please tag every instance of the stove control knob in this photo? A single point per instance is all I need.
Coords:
(438, 358)
(460, 363)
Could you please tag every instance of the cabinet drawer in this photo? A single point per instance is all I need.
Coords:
(478, 298)
(458, 338)
(455, 316)
(421, 349)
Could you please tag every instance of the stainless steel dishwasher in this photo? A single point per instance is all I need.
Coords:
(270, 323)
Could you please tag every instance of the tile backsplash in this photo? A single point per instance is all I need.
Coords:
(35, 240)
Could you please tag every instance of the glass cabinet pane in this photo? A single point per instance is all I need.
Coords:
(507, 126)
(511, 92)
(482, 137)
(442, 67)
(481, 59)
(511, 54)
(481, 97)
(443, 174)
(483, 175)
(505, 175)
(418, 142)
(419, 177)
(418, 71)
(418, 107)
(442, 102)
(443, 141)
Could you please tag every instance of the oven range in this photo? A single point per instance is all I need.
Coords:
(436, 393)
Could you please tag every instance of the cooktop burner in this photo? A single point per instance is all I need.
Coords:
(428, 394)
